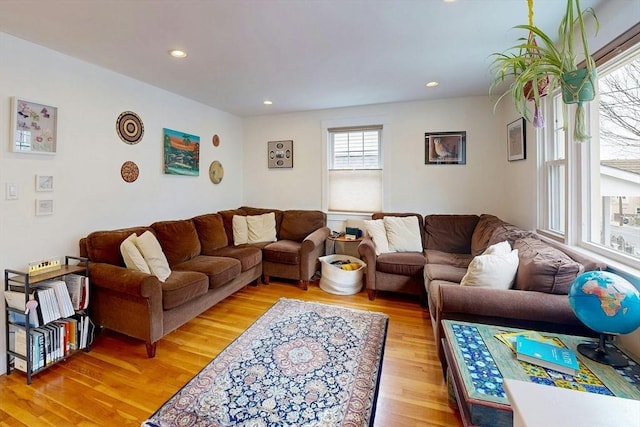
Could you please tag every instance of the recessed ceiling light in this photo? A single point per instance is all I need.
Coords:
(432, 84)
(267, 102)
(177, 53)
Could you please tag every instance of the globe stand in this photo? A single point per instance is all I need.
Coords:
(601, 354)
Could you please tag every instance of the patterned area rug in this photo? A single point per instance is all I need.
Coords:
(300, 364)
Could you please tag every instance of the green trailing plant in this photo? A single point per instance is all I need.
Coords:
(538, 59)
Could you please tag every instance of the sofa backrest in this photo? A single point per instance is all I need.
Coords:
(298, 224)
(104, 246)
(491, 230)
(450, 233)
(211, 232)
(380, 215)
(179, 240)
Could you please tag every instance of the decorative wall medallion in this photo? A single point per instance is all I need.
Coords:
(280, 154)
(216, 140)
(129, 127)
(216, 172)
(129, 171)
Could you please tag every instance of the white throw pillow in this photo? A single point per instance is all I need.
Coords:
(501, 248)
(153, 255)
(262, 228)
(133, 259)
(240, 230)
(375, 229)
(494, 271)
(403, 233)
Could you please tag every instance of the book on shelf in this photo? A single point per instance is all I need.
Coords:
(547, 355)
(16, 300)
(78, 287)
(61, 301)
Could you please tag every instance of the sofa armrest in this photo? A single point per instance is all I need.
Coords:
(312, 248)
(367, 252)
(124, 281)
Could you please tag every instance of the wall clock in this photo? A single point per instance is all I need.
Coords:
(216, 172)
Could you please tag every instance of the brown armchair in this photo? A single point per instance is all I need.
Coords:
(397, 272)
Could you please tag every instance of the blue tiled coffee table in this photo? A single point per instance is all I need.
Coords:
(478, 362)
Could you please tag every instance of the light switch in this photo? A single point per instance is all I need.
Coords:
(11, 191)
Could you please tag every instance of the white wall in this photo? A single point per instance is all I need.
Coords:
(89, 193)
(411, 185)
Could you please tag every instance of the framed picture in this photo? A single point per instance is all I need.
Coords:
(445, 148)
(516, 140)
(280, 154)
(44, 207)
(44, 182)
(33, 127)
(181, 153)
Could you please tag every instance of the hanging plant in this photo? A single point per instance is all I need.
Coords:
(553, 62)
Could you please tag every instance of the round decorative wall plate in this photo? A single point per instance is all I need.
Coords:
(129, 127)
(215, 140)
(216, 172)
(129, 171)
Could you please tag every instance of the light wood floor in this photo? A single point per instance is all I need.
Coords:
(115, 384)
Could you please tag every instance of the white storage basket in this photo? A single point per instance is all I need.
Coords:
(337, 281)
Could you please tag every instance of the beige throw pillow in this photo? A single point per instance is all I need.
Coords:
(133, 259)
(262, 228)
(403, 233)
(152, 252)
(375, 229)
(494, 271)
(240, 230)
(502, 248)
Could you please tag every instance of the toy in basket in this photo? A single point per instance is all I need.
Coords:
(341, 274)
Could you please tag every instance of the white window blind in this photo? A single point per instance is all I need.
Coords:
(355, 169)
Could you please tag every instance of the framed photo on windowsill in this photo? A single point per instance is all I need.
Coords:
(516, 140)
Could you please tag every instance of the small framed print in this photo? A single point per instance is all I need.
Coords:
(33, 127)
(44, 207)
(516, 140)
(445, 148)
(280, 154)
(44, 183)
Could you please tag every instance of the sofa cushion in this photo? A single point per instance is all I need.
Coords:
(450, 233)
(248, 210)
(262, 228)
(401, 263)
(447, 273)
(298, 224)
(181, 287)
(154, 256)
(544, 268)
(240, 230)
(438, 257)
(496, 270)
(249, 256)
(482, 233)
(282, 252)
(104, 246)
(131, 255)
(179, 239)
(211, 232)
(227, 221)
(403, 233)
(220, 270)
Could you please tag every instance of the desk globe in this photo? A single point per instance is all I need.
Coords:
(608, 304)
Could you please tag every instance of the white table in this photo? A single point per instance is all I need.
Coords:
(536, 405)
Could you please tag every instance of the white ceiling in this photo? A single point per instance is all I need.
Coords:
(301, 54)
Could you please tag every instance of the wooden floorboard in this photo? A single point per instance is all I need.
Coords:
(115, 384)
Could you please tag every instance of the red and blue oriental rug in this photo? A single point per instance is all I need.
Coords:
(300, 364)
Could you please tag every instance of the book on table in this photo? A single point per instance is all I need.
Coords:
(547, 355)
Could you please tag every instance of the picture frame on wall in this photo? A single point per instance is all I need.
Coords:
(445, 148)
(44, 207)
(517, 140)
(280, 154)
(44, 183)
(34, 127)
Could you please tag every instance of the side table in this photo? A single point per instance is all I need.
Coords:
(342, 246)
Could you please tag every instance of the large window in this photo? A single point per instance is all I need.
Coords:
(590, 192)
(354, 169)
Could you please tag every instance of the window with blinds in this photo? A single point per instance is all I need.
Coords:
(355, 169)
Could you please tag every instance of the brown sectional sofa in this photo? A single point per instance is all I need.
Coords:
(206, 267)
(537, 300)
